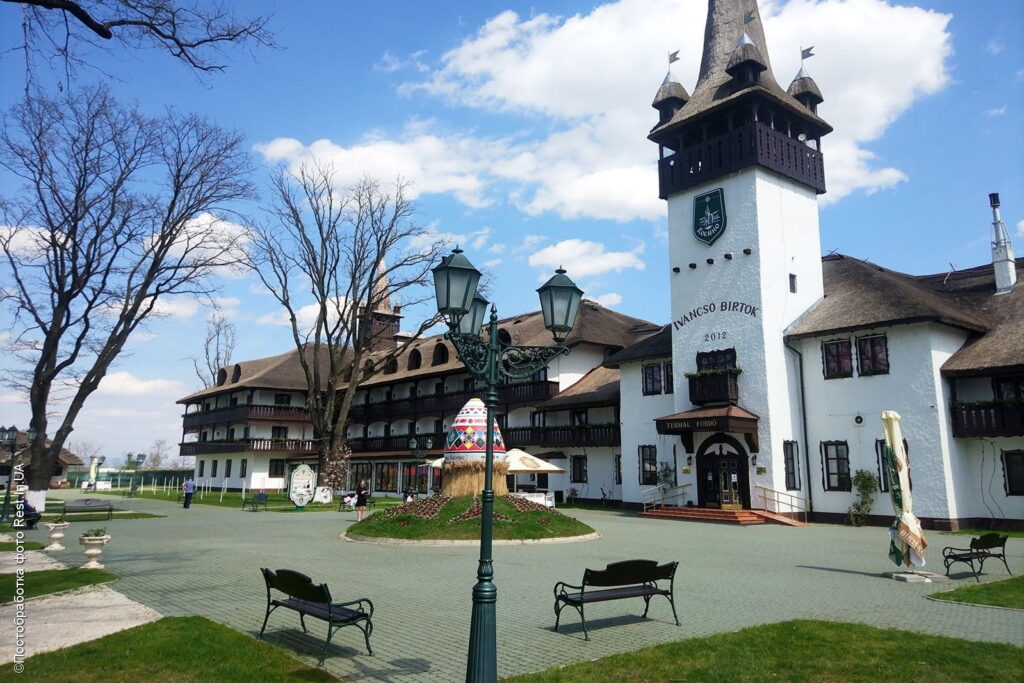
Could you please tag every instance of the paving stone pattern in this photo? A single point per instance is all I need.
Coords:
(206, 561)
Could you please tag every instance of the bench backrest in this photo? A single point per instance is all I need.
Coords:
(260, 497)
(988, 541)
(629, 572)
(296, 585)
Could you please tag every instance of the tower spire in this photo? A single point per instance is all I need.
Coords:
(1002, 250)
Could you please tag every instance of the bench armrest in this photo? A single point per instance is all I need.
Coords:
(368, 609)
(950, 549)
(562, 585)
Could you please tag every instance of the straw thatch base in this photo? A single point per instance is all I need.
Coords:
(466, 478)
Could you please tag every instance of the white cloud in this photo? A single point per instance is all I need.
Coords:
(994, 47)
(225, 307)
(587, 82)
(582, 258)
(389, 62)
(608, 300)
(175, 307)
(210, 237)
(126, 384)
(13, 398)
(1020, 228)
(998, 111)
(474, 240)
(492, 264)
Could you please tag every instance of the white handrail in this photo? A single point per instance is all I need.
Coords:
(792, 501)
(657, 496)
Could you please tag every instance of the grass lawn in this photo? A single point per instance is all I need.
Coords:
(532, 524)
(803, 651)
(276, 501)
(27, 545)
(167, 651)
(99, 517)
(52, 580)
(1006, 593)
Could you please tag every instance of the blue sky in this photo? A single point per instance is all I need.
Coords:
(524, 134)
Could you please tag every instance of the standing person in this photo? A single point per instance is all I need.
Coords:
(361, 493)
(189, 487)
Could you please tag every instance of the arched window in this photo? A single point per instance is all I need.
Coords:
(440, 355)
(236, 373)
(504, 337)
(391, 367)
(415, 359)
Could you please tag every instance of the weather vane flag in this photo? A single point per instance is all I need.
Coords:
(805, 52)
(673, 57)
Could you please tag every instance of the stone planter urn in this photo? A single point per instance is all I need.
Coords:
(56, 534)
(93, 549)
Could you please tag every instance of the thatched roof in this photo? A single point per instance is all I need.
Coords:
(658, 345)
(715, 89)
(599, 387)
(862, 295)
(595, 325)
(21, 446)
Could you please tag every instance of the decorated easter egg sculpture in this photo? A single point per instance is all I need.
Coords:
(465, 453)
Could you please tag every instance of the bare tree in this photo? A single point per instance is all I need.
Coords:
(158, 454)
(85, 450)
(194, 33)
(332, 257)
(218, 347)
(112, 218)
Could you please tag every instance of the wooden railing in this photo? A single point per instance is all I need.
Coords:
(988, 418)
(243, 413)
(565, 436)
(718, 387)
(775, 500)
(658, 496)
(247, 445)
(748, 145)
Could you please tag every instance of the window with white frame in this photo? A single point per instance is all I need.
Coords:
(652, 379)
(791, 460)
(578, 468)
(835, 457)
(872, 355)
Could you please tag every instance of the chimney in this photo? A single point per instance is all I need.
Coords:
(1002, 251)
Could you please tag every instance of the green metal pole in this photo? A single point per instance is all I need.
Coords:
(482, 665)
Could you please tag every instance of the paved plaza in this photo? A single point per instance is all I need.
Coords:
(206, 560)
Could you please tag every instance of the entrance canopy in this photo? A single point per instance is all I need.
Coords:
(730, 418)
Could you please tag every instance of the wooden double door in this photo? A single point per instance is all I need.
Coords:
(723, 474)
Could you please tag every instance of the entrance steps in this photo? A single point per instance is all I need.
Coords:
(743, 517)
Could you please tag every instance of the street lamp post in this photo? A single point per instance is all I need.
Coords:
(9, 437)
(455, 283)
(419, 452)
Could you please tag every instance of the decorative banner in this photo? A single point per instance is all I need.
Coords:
(301, 491)
(709, 216)
(467, 439)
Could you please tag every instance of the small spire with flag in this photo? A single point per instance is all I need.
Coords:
(673, 57)
(805, 52)
(748, 17)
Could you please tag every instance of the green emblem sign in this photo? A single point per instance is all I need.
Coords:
(709, 216)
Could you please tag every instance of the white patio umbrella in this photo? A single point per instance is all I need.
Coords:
(907, 541)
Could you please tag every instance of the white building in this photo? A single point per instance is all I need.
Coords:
(770, 379)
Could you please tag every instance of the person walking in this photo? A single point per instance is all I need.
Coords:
(190, 488)
(361, 493)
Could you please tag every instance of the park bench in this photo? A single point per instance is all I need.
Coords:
(255, 501)
(88, 505)
(131, 492)
(619, 580)
(982, 548)
(309, 599)
(370, 502)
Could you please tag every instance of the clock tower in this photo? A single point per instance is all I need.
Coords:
(740, 166)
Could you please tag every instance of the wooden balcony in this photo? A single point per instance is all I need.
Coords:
(510, 395)
(988, 418)
(244, 413)
(753, 144)
(565, 436)
(248, 446)
(398, 444)
(721, 387)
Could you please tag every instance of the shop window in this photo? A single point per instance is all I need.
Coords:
(360, 471)
(836, 465)
(873, 355)
(652, 379)
(386, 477)
(836, 359)
(648, 465)
(578, 468)
(791, 458)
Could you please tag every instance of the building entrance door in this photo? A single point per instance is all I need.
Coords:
(722, 472)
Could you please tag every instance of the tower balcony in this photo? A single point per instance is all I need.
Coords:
(988, 419)
(718, 386)
(752, 144)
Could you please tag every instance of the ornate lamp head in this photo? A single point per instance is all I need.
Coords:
(560, 302)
